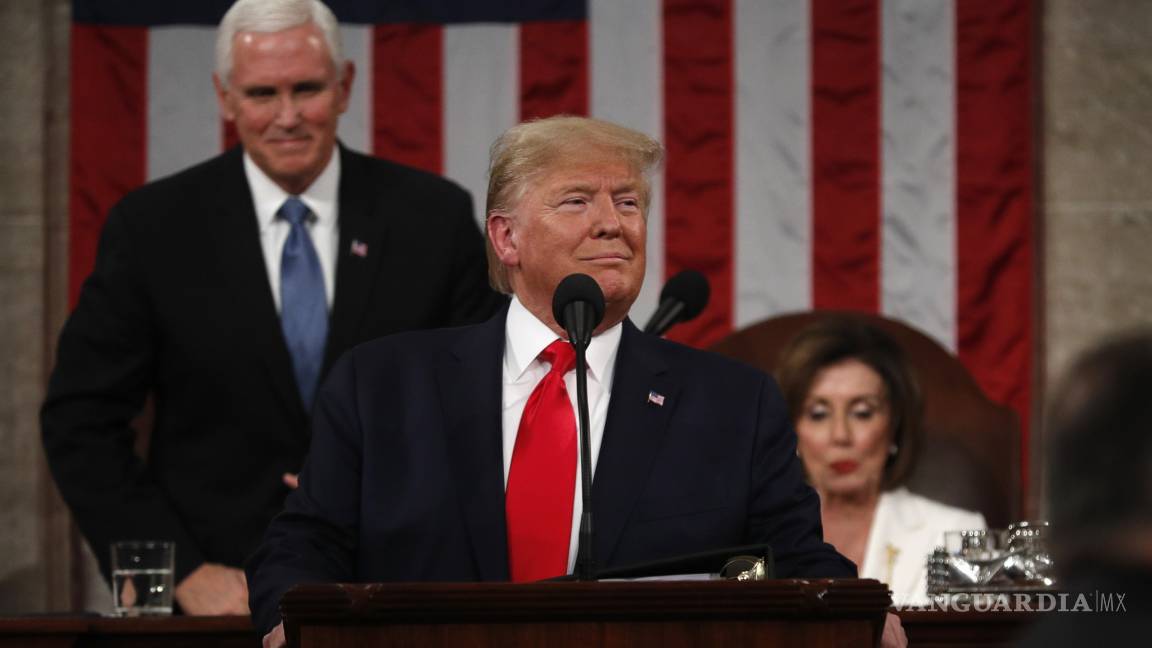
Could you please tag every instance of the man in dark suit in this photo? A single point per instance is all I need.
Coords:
(451, 454)
(227, 290)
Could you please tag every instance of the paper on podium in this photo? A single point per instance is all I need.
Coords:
(697, 566)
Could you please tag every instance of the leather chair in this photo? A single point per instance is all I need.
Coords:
(970, 454)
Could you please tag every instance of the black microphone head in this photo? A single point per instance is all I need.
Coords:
(689, 288)
(578, 288)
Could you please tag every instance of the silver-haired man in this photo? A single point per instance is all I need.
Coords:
(225, 292)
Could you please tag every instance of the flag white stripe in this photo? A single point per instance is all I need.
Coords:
(918, 262)
(625, 72)
(355, 129)
(772, 241)
(481, 100)
(183, 117)
(772, 141)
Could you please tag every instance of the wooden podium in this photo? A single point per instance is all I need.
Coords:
(669, 614)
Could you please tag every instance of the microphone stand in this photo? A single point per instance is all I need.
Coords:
(578, 306)
(667, 314)
(585, 564)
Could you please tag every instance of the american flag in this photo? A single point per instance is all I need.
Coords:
(873, 155)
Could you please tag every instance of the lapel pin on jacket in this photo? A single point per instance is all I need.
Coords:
(657, 399)
(359, 248)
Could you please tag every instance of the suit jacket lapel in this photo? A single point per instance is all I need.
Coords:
(899, 517)
(633, 435)
(471, 389)
(241, 262)
(358, 255)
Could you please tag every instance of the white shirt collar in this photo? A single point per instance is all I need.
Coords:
(527, 336)
(320, 196)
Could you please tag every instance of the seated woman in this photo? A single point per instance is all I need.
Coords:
(858, 411)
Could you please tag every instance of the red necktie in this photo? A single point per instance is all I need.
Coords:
(542, 477)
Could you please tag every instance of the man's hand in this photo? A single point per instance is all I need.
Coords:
(893, 636)
(212, 590)
(275, 639)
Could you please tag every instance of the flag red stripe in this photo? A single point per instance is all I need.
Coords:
(698, 131)
(228, 135)
(408, 94)
(553, 68)
(994, 201)
(846, 154)
(109, 133)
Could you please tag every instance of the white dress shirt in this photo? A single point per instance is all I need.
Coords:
(525, 338)
(320, 197)
(905, 529)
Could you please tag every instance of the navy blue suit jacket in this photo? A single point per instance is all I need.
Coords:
(405, 476)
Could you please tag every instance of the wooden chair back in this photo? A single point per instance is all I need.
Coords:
(970, 453)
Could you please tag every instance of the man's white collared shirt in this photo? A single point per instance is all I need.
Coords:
(267, 197)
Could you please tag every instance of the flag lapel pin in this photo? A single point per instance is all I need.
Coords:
(359, 248)
(656, 399)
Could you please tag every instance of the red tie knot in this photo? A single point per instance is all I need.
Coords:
(560, 355)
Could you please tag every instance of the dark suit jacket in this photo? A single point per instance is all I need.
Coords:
(179, 306)
(405, 480)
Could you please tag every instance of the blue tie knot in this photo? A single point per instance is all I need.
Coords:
(294, 211)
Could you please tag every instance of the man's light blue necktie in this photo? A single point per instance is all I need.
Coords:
(303, 305)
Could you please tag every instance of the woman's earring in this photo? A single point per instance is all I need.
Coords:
(893, 449)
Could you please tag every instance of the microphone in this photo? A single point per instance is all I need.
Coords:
(578, 306)
(684, 297)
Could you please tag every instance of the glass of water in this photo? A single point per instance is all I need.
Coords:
(142, 577)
